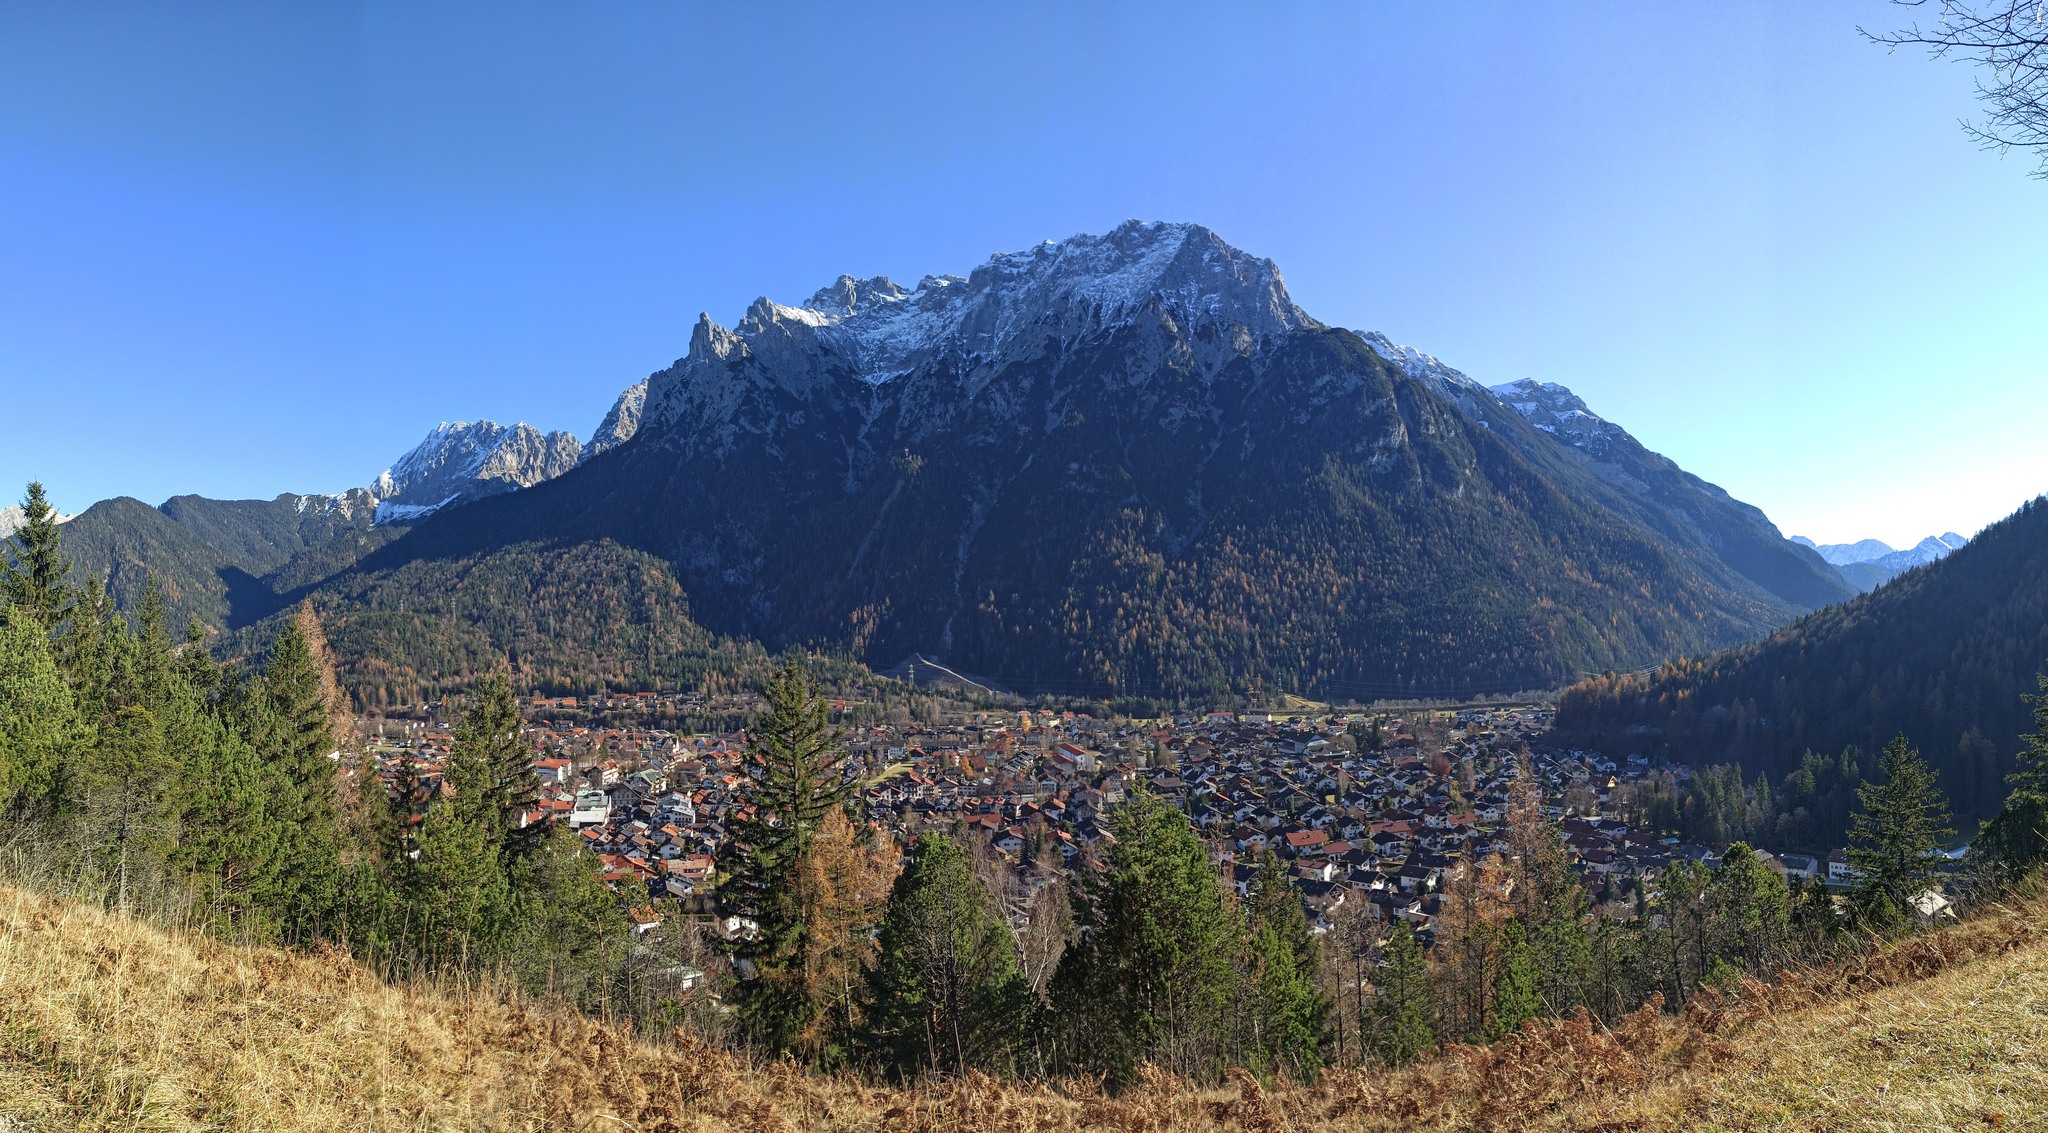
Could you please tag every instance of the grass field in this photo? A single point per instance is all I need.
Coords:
(109, 1024)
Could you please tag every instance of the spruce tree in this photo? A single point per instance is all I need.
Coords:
(1515, 999)
(491, 768)
(1291, 1010)
(2017, 836)
(33, 571)
(40, 728)
(456, 897)
(1398, 1021)
(229, 841)
(287, 716)
(948, 995)
(795, 779)
(1152, 977)
(1895, 841)
(570, 935)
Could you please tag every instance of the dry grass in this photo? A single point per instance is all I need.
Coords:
(109, 1024)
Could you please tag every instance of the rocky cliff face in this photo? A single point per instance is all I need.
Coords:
(621, 424)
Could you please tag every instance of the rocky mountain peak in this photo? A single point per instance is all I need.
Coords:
(620, 424)
(874, 331)
(461, 460)
(1561, 413)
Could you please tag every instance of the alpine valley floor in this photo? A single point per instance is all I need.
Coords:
(109, 1024)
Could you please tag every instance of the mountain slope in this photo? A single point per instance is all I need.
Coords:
(1942, 654)
(113, 1024)
(226, 562)
(1126, 464)
(1683, 506)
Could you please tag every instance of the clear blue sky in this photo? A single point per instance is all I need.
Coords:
(252, 249)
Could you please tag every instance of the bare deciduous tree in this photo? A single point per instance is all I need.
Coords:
(2009, 40)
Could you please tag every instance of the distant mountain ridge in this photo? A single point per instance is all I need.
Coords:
(231, 562)
(1682, 503)
(1871, 563)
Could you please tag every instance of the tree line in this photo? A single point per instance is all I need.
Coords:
(137, 771)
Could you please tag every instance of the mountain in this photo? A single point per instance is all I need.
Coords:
(465, 460)
(230, 563)
(1870, 563)
(1131, 464)
(621, 423)
(1942, 654)
(226, 562)
(1681, 503)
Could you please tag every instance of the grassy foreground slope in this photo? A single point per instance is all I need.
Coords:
(107, 1023)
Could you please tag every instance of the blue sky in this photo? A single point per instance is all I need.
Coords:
(264, 248)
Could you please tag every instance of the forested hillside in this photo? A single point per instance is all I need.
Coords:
(1942, 654)
(562, 619)
(228, 563)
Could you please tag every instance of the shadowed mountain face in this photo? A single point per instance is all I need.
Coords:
(1677, 503)
(1130, 463)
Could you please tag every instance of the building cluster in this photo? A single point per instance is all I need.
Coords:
(1375, 813)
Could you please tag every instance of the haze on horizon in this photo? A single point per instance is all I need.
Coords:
(247, 250)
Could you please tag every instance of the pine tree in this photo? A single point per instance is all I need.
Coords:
(1748, 910)
(948, 995)
(2017, 837)
(1152, 976)
(1896, 839)
(121, 793)
(33, 573)
(1397, 1023)
(1514, 986)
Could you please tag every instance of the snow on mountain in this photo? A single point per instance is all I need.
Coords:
(464, 460)
(621, 423)
(1452, 384)
(1558, 411)
(1883, 554)
(1013, 308)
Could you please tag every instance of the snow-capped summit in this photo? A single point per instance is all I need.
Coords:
(464, 460)
(1222, 301)
(1877, 551)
